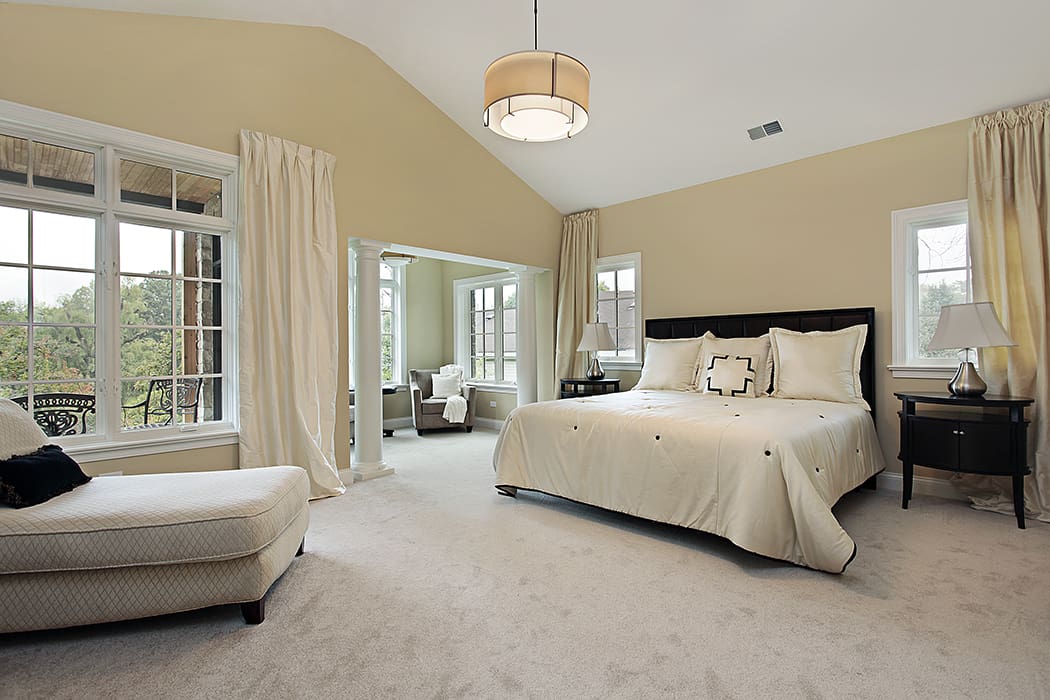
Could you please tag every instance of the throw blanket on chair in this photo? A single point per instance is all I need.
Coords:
(455, 406)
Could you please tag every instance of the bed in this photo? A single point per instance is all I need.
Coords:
(762, 472)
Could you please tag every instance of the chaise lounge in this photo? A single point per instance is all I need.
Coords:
(126, 547)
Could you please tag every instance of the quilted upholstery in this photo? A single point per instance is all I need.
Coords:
(130, 521)
(68, 598)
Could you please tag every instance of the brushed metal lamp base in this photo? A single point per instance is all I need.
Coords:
(967, 382)
(596, 371)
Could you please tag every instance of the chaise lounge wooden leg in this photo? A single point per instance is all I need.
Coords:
(871, 484)
(302, 544)
(254, 612)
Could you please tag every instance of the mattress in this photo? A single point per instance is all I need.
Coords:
(763, 473)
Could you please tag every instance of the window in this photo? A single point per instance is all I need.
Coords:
(392, 349)
(487, 328)
(392, 320)
(931, 259)
(618, 302)
(114, 281)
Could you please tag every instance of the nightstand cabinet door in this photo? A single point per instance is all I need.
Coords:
(984, 448)
(934, 442)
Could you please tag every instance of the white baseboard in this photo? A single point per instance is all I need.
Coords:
(406, 422)
(921, 486)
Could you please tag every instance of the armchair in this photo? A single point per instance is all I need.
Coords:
(427, 410)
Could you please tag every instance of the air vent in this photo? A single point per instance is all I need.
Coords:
(769, 129)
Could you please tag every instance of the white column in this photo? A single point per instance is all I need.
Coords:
(526, 357)
(368, 390)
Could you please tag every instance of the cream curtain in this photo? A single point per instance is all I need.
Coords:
(287, 331)
(579, 255)
(1009, 202)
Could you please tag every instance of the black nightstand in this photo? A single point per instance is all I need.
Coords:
(988, 442)
(575, 388)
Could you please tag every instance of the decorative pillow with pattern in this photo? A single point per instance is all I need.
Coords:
(729, 375)
(741, 347)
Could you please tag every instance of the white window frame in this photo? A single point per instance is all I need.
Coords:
(109, 144)
(905, 225)
(622, 262)
(399, 347)
(400, 325)
(461, 303)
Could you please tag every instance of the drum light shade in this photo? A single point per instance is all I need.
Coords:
(536, 96)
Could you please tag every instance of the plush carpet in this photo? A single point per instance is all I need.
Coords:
(428, 584)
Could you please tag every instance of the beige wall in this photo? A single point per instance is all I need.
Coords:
(405, 174)
(810, 234)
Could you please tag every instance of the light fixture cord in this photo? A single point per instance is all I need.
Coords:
(535, 25)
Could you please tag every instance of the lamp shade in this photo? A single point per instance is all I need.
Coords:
(596, 336)
(969, 326)
(536, 96)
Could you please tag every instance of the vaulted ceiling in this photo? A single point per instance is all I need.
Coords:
(675, 84)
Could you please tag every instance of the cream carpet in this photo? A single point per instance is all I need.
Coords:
(427, 584)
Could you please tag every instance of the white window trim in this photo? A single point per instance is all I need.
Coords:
(619, 262)
(109, 143)
(461, 325)
(400, 350)
(905, 222)
(398, 285)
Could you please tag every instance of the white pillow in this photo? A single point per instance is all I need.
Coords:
(670, 364)
(445, 385)
(19, 433)
(729, 375)
(742, 347)
(819, 365)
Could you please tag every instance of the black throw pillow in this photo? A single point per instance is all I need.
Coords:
(32, 479)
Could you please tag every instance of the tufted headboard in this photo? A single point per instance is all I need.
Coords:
(754, 325)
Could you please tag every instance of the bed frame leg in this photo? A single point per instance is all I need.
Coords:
(254, 612)
(302, 544)
(511, 491)
(871, 484)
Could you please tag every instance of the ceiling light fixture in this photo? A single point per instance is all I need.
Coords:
(536, 95)
(397, 259)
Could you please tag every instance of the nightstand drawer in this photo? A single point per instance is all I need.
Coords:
(934, 442)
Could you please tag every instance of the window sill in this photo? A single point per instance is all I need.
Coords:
(621, 365)
(495, 388)
(98, 452)
(922, 371)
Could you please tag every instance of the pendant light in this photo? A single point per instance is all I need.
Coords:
(536, 95)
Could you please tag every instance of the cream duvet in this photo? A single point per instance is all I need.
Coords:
(763, 473)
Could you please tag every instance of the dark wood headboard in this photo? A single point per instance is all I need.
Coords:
(753, 325)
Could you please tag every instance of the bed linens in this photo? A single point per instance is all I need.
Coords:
(762, 473)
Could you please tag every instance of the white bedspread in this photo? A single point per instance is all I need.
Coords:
(763, 473)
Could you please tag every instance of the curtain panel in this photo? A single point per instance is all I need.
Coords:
(576, 285)
(1009, 203)
(287, 329)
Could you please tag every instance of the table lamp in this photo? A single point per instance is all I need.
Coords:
(967, 326)
(596, 337)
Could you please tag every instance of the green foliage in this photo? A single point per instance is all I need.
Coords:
(65, 353)
(931, 298)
